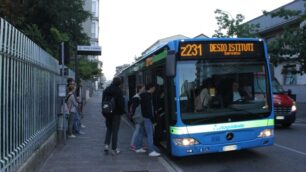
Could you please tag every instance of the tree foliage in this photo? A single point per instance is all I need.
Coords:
(229, 27)
(12, 11)
(50, 22)
(88, 70)
(290, 45)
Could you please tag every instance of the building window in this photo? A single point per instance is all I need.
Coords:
(94, 8)
(93, 30)
(289, 73)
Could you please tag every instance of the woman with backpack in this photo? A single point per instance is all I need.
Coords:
(112, 120)
(135, 111)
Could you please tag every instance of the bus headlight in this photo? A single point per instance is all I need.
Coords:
(266, 133)
(185, 141)
(293, 107)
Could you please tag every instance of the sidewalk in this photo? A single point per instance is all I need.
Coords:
(85, 153)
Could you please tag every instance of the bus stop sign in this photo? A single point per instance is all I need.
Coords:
(88, 50)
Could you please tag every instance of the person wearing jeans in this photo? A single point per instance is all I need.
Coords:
(72, 104)
(77, 123)
(148, 115)
(138, 124)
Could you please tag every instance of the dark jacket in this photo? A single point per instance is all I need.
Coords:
(115, 92)
(147, 106)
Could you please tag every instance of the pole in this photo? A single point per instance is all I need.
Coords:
(76, 64)
(63, 101)
(62, 58)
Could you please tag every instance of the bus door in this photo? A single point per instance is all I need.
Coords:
(161, 129)
(132, 86)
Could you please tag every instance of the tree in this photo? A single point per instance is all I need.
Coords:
(36, 35)
(88, 70)
(59, 21)
(48, 23)
(290, 45)
(229, 27)
(12, 11)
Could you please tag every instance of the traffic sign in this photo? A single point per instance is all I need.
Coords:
(88, 50)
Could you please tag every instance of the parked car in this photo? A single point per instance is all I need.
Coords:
(284, 106)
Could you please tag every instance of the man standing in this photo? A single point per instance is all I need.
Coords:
(148, 115)
(113, 122)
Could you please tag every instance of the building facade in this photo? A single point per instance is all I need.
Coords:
(91, 25)
(269, 29)
(91, 28)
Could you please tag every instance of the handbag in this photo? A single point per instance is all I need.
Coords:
(137, 117)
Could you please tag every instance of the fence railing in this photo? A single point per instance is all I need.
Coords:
(28, 96)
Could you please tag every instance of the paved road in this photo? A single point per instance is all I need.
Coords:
(288, 154)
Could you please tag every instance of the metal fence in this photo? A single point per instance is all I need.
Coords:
(28, 96)
(87, 89)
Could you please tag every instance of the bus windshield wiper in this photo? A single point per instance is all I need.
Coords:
(242, 110)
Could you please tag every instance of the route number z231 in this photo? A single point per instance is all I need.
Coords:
(191, 50)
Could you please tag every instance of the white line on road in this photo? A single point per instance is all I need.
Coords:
(290, 149)
(304, 125)
(299, 121)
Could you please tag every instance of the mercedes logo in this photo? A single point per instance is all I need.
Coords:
(229, 136)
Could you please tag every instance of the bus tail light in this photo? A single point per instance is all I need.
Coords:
(185, 141)
(266, 133)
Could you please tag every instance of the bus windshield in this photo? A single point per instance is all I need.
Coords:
(276, 87)
(222, 91)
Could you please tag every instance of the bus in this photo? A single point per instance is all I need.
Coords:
(205, 99)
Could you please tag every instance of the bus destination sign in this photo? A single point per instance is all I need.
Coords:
(192, 50)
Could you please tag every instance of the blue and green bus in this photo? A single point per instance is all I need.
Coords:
(208, 97)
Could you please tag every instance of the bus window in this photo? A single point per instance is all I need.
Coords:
(218, 89)
(148, 76)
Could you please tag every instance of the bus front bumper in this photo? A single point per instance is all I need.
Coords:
(181, 151)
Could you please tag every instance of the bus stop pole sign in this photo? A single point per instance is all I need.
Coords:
(88, 50)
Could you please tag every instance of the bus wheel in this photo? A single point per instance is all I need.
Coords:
(286, 125)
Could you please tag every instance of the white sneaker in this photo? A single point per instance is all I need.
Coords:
(154, 153)
(106, 147)
(72, 136)
(141, 150)
(83, 126)
(116, 151)
(81, 133)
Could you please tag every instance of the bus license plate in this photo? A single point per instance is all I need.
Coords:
(230, 148)
(280, 117)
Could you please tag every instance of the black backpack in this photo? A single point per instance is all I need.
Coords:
(108, 106)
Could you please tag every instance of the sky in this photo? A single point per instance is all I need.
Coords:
(128, 27)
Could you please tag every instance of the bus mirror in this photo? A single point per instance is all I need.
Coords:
(289, 92)
(170, 64)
